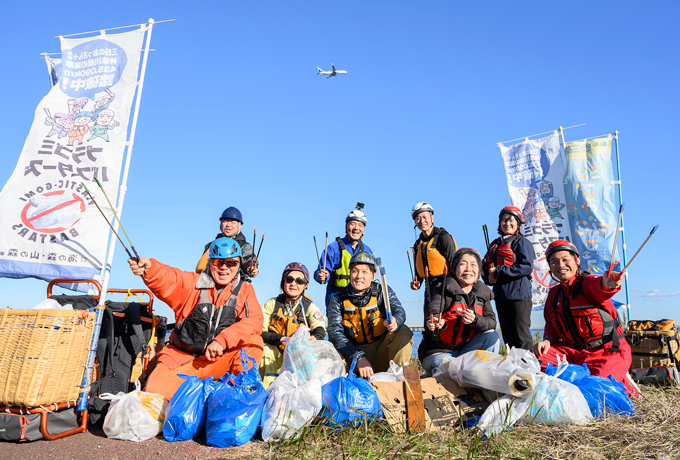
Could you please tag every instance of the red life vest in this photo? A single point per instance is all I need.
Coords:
(578, 320)
(500, 252)
(456, 333)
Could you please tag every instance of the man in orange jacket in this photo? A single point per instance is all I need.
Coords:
(218, 297)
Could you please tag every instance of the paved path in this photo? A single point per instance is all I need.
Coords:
(94, 445)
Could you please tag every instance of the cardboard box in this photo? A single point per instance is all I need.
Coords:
(446, 403)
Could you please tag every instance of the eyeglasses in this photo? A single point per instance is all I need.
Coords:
(300, 281)
(221, 262)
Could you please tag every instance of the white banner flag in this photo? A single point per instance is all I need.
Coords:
(534, 170)
(53, 69)
(49, 228)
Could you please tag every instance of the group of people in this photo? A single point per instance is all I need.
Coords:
(217, 312)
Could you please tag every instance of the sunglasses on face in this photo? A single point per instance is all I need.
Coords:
(221, 262)
(299, 281)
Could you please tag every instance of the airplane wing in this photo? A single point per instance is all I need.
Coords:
(330, 76)
(333, 67)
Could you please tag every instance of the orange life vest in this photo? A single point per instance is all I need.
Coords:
(287, 325)
(427, 255)
(363, 325)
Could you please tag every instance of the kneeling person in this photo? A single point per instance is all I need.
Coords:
(217, 297)
(466, 322)
(284, 314)
(357, 321)
(581, 321)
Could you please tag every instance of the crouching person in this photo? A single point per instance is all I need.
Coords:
(581, 321)
(284, 314)
(216, 314)
(462, 319)
(357, 321)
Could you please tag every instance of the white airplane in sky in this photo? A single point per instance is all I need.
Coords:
(332, 73)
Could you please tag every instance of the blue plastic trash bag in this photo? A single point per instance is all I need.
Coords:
(185, 417)
(348, 401)
(604, 396)
(571, 372)
(235, 407)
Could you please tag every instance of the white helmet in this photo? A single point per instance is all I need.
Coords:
(420, 207)
(357, 215)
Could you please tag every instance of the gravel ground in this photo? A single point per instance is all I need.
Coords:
(94, 445)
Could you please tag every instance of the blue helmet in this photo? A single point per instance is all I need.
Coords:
(224, 248)
(232, 213)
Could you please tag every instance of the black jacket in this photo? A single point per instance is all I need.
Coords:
(514, 281)
(483, 323)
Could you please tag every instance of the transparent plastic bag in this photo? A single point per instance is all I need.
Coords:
(394, 374)
(311, 359)
(289, 406)
(51, 304)
(551, 401)
(557, 401)
(502, 414)
(514, 374)
(135, 416)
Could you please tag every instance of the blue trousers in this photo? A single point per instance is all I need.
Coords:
(489, 341)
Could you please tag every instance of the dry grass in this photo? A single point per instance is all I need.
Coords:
(652, 433)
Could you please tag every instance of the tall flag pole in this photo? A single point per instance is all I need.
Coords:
(623, 233)
(106, 269)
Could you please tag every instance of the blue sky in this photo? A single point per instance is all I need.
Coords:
(233, 114)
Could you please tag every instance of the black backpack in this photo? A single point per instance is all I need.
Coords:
(125, 331)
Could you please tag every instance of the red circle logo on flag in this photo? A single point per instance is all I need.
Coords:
(545, 280)
(53, 212)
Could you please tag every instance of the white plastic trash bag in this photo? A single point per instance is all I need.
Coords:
(393, 374)
(311, 359)
(289, 406)
(514, 374)
(552, 401)
(135, 416)
(502, 414)
(51, 304)
(557, 401)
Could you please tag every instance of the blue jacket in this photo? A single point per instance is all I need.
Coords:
(336, 333)
(514, 281)
(333, 262)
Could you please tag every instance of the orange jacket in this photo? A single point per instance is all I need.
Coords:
(181, 290)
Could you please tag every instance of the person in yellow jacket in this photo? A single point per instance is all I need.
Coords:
(284, 314)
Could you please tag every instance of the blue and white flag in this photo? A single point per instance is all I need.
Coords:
(591, 201)
(49, 228)
(534, 171)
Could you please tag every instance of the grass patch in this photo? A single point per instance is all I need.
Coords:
(653, 432)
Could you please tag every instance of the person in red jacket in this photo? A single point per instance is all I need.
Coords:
(580, 320)
(217, 297)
